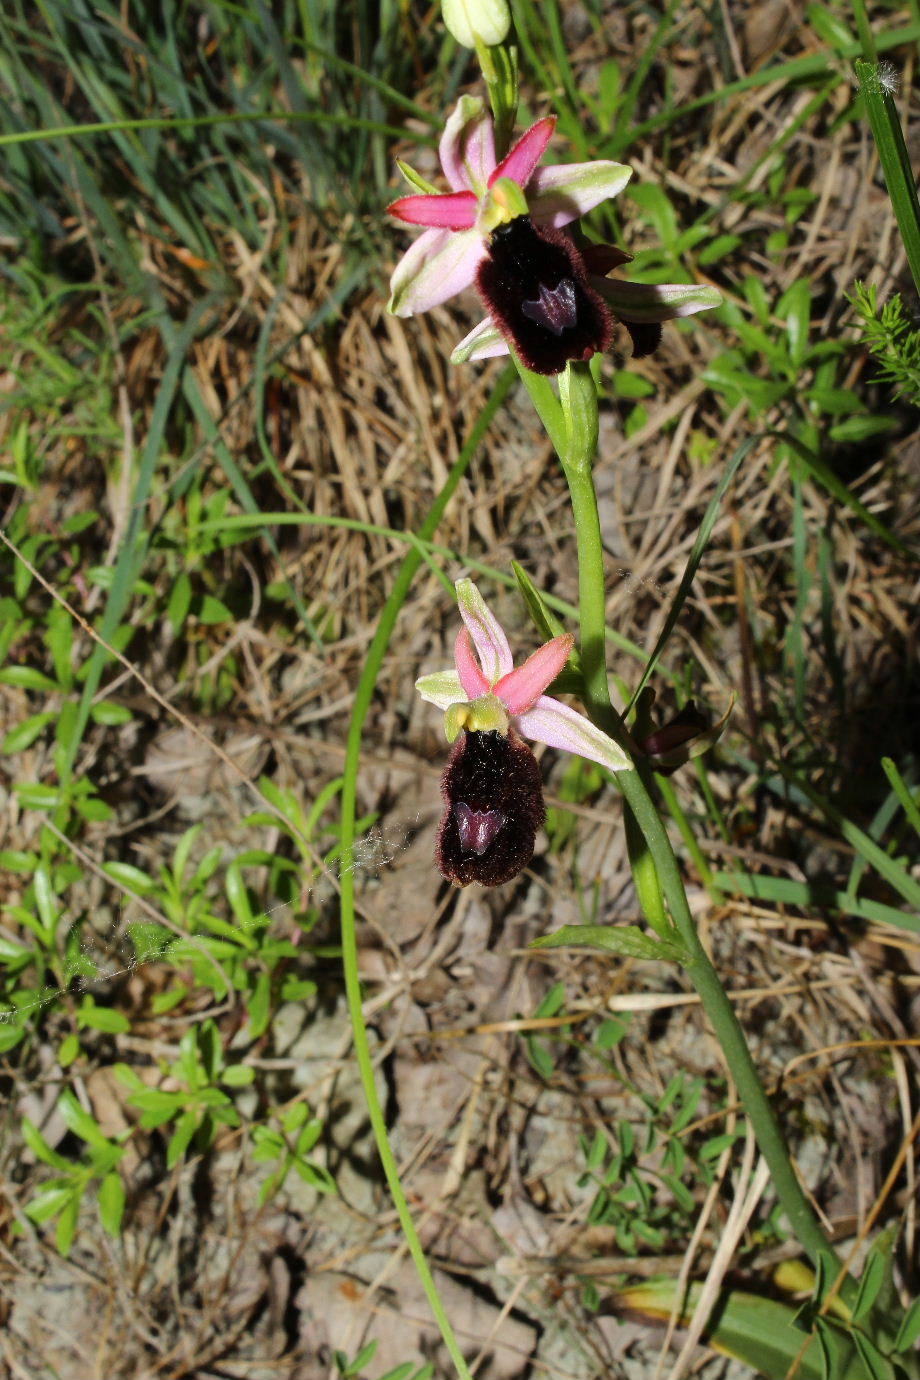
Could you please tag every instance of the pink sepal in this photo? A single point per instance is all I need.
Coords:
(439, 264)
(520, 689)
(468, 669)
(467, 146)
(441, 211)
(561, 192)
(519, 163)
(487, 633)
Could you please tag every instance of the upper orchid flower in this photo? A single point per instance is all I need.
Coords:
(444, 259)
(492, 786)
(500, 228)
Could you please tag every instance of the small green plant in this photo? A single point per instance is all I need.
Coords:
(641, 1188)
(61, 1196)
(802, 377)
(199, 1105)
(874, 1339)
(287, 1142)
(352, 1370)
(892, 339)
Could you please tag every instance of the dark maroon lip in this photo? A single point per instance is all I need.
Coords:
(534, 283)
(493, 798)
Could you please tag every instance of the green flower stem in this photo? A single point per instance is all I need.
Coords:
(802, 1218)
(675, 810)
(546, 404)
(363, 696)
(499, 69)
(645, 877)
(578, 396)
(580, 413)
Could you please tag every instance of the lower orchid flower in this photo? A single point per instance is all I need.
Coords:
(492, 787)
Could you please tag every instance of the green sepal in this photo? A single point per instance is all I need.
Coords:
(415, 179)
(547, 624)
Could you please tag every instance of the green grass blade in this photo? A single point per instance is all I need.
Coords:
(894, 158)
(903, 792)
(363, 697)
(230, 117)
(813, 896)
(242, 490)
(245, 522)
(795, 70)
(136, 539)
(880, 822)
(821, 471)
(891, 869)
(761, 1332)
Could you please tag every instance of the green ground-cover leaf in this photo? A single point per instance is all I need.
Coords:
(759, 1331)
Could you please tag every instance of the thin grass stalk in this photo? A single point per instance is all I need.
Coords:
(894, 158)
(230, 117)
(363, 695)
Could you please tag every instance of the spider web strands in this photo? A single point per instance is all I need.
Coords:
(369, 854)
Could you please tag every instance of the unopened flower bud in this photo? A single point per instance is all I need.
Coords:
(467, 20)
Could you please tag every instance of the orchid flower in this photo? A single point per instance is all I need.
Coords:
(487, 195)
(499, 228)
(492, 786)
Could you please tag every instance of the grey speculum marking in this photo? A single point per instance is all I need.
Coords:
(555, 307)
(477, 828)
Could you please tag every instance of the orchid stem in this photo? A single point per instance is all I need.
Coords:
(651, 844)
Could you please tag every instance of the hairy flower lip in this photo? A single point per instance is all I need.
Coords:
(493, 799)
(634, 304)
(535, 284)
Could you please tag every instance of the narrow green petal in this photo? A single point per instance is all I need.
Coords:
(442, 688)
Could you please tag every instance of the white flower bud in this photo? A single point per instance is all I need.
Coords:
(467, 20)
